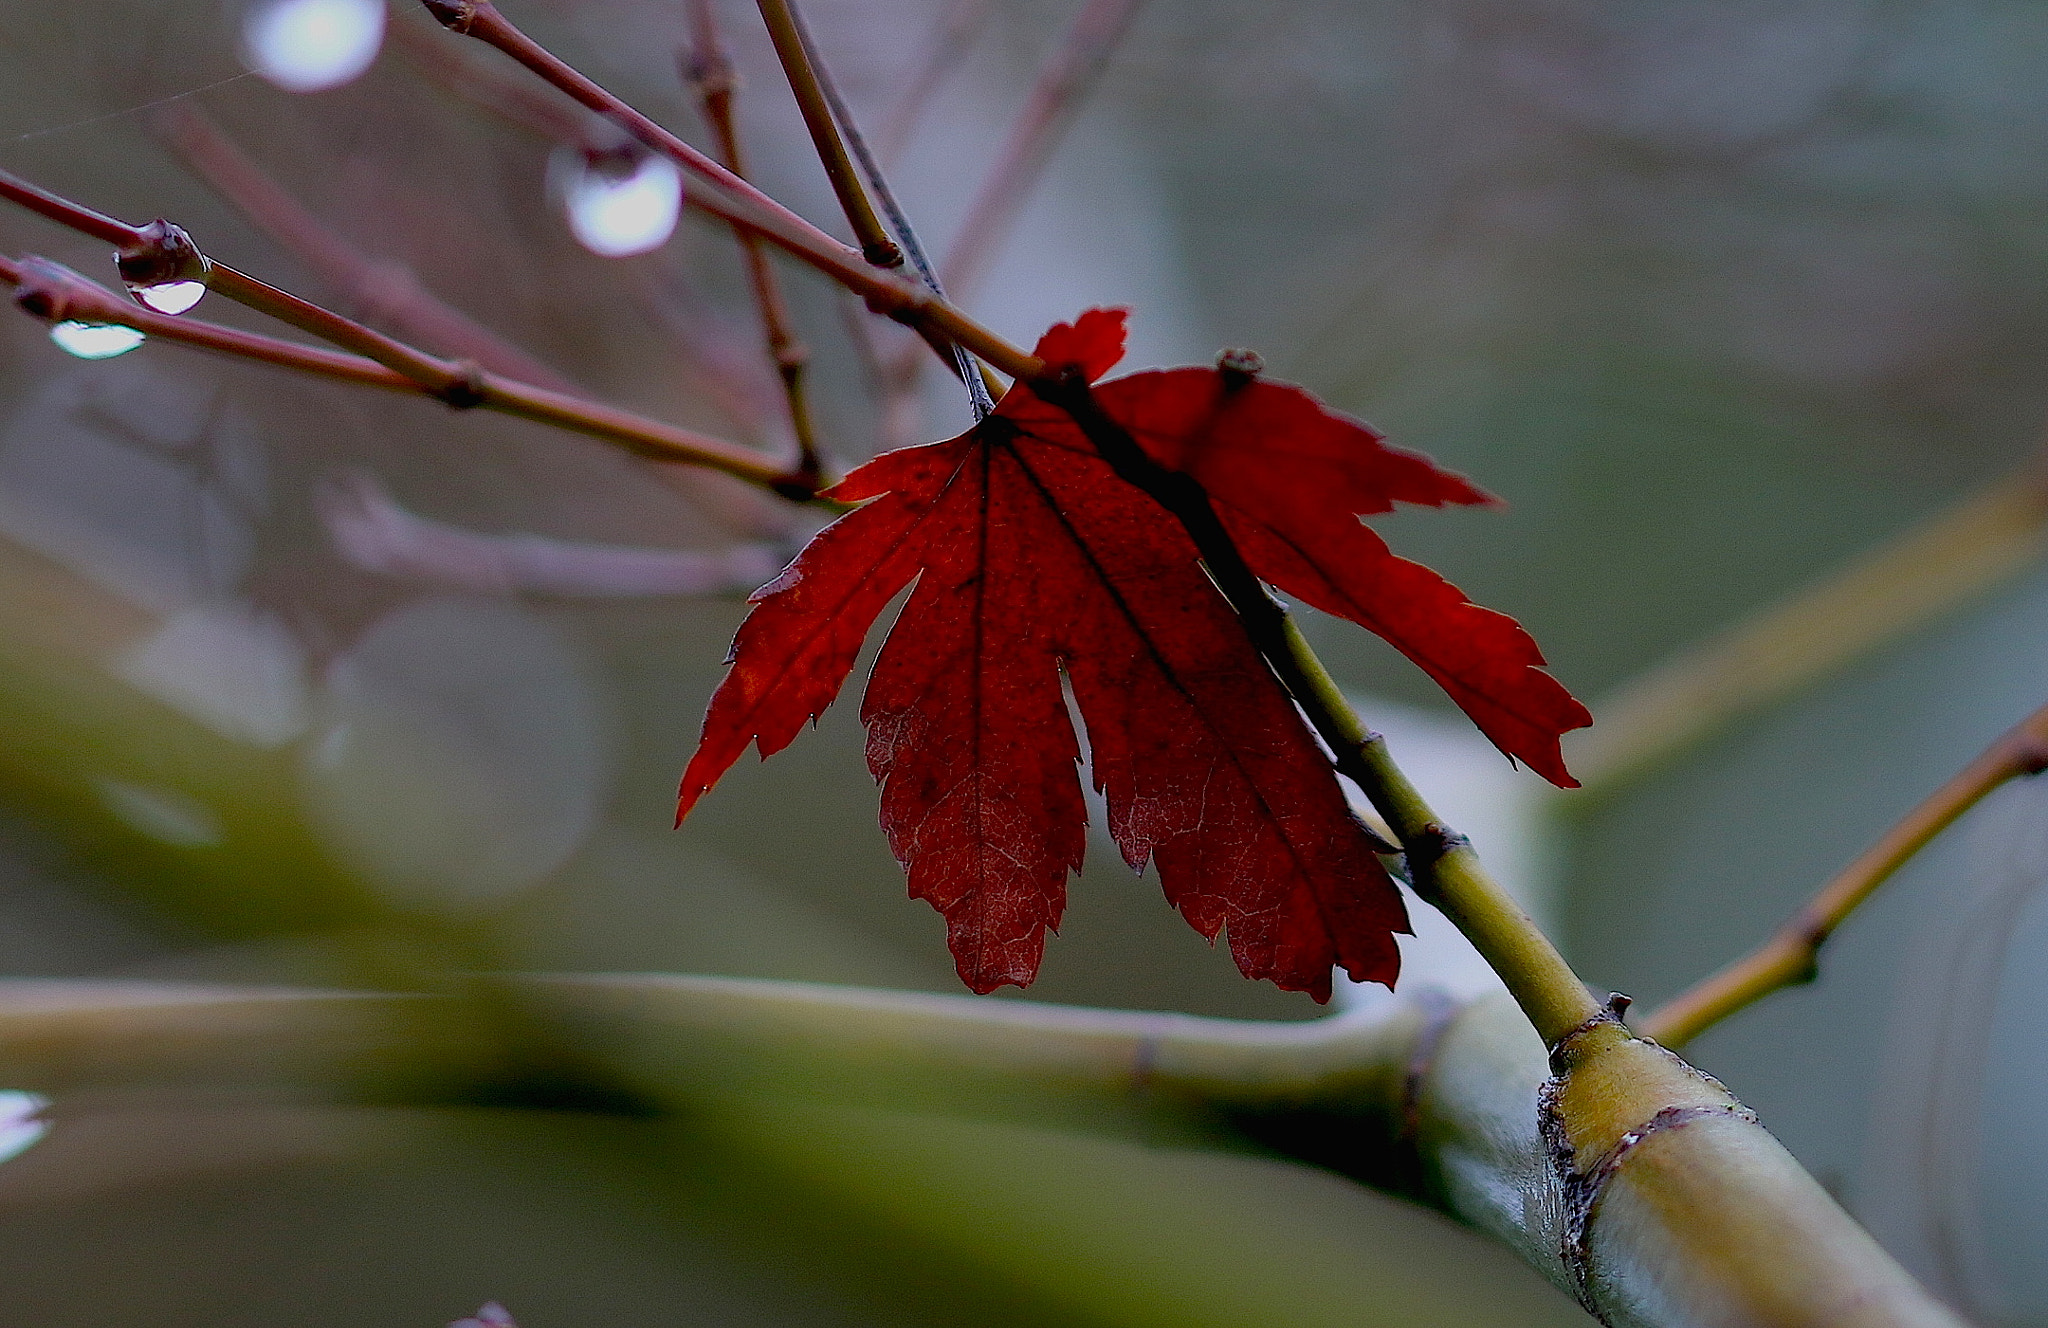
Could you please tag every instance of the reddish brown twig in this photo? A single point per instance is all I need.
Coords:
(161, 250)
(741, 204)
(389, 291)
(1063, 83)
(55, 293)
(500, 92)
(385, 291)
(956, 31)
(710, 71)
(1792, 954)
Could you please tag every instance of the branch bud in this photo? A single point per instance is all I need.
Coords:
(162, 253)
(454, 15)
(1238, 367)
(47, 290)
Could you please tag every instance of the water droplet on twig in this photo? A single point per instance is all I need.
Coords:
(621, 204)
(21, 1121)
(170, 297)
(95, 341)
(309, 45)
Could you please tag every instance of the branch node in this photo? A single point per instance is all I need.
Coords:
(1566, 1048)
(1434, 842)
(882, 253)
(163, 252)
(467, 392)
(799, 487)
(454, 15)
(50, 291)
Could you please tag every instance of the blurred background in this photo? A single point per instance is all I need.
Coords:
(303, 684)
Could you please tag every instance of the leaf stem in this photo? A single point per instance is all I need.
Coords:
(1064, 80)
(973, 374)
(1441, 863)
(1792, 955)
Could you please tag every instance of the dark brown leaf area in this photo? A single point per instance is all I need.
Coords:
(1031, 559)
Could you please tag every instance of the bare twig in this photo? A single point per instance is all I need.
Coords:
(1876, 598)
(710, 70)
(973, 375)
(741, 204)
(502, 93)
(785, 30)
(384, 290)
(1063, 83)
(377, 535)
(1792, 954)
(162, 250)
(957, 28)
(55, 293)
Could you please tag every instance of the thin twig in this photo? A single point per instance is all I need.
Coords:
(785, 30)
(55, 293)
(502, 93)
(1063, 83)
(956, 30)
(512, 99)
(1792, 954)
(710, 71)
(1873, 600)
(741, 204)
(386, 290)
(162, 247)
(972, 374)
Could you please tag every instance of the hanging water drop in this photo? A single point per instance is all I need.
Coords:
(621, 204)
(21, 1121)
(95, 341)
(308, 45)
(170, 297)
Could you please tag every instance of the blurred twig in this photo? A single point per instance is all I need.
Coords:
(1792, 954)
(710, 71)
(377, 535)
(1063, 82)
(1894, 589)
(955, 31)
(382, 289)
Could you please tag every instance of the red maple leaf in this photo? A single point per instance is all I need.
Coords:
(1033, 560)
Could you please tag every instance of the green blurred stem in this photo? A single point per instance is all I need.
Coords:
(1866, 604)
(1636, 1184)
(1446, 872)
(1792, 955)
